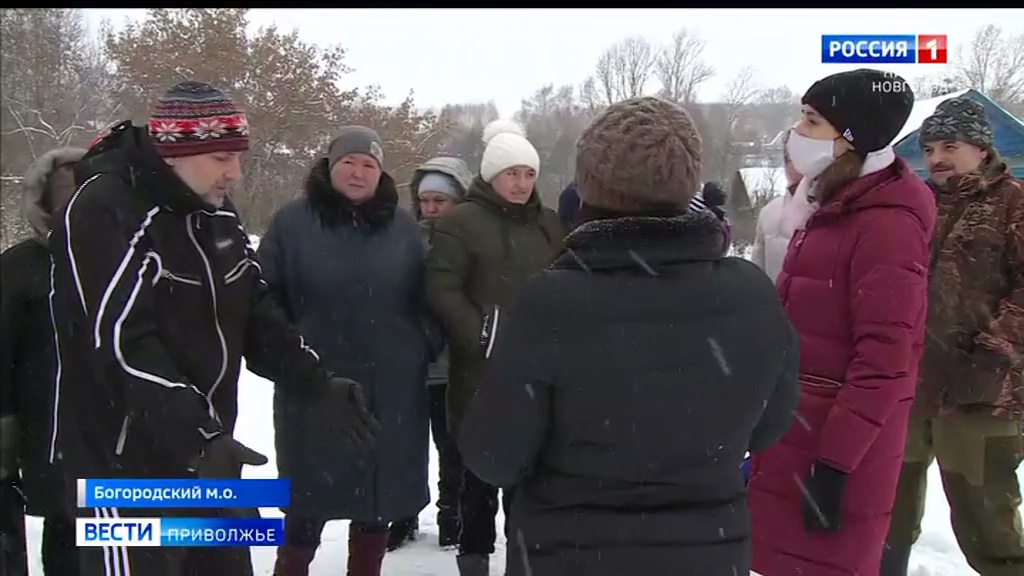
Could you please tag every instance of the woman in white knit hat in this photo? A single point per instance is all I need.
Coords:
(483, 251)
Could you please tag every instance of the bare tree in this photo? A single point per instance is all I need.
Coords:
(554, 122)
(589, 98)
(624, 69)
(54, 83)
(722, 125)
(993, 63)
(56, 92)
(466, 129)
(680, 67)
(774, 110)
(741, 90)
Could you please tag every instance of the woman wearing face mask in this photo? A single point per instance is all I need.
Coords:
(483, 251)
(854, 283)
(780, 218)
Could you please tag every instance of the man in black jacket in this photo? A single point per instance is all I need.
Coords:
(29, 484)
(157, 296)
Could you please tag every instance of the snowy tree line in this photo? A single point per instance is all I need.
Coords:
(63, 86)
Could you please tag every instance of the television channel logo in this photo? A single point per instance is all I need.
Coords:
(884, 49)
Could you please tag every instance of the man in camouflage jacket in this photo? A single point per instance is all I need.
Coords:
(970, 399)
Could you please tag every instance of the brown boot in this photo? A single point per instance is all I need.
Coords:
(294, 560)
(365, 551)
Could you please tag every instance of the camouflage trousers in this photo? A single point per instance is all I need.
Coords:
(978, 456)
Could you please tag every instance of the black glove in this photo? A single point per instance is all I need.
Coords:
(355, 420)
(823, 498)
(224, 457)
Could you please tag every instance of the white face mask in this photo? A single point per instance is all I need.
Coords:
(810, 157)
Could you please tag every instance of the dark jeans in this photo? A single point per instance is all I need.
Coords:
(478, 505)
(305, 532)
(449, 463)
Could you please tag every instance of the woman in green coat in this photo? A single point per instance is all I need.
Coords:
(483, 252)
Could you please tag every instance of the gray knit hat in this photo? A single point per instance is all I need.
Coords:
(958, 120)
(355, 140)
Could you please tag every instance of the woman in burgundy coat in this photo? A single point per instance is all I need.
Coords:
(854, 283)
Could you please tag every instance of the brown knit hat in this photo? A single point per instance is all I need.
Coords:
(639, 155)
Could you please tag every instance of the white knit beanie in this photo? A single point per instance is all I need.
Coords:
(507, 146)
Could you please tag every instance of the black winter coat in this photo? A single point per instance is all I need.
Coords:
(158, 297)
(27, 355)
(351, 278)
(28, 370)
(623, 389)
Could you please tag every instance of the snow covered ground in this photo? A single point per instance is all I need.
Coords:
(935, 555)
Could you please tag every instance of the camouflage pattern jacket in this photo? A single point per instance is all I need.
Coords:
(974, 354)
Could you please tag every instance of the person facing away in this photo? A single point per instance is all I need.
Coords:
(713, 197)
(483, 251)
(347, 266)
(156, 297)
(568, 206)
(780, 218)
(437, 186)
(616, 400)
(29, 484)
(970, 398)
(854, 284)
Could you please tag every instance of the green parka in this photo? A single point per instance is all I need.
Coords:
(483, 252)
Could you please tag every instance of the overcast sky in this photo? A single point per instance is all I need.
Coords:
(475, 55)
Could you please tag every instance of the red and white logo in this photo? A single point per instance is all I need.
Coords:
(931, 49)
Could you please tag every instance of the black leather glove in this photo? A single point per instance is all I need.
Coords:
(823, 498)
(224, 457)
(355, 420)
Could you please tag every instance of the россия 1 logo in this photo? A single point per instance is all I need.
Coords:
(884, 49)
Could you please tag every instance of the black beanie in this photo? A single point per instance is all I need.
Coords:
(867, 107)
(713, 194)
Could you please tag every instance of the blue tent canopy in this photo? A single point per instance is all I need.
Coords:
(1007, 129)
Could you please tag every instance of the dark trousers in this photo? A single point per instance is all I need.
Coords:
(449, 462)
(303, 531)
(133, 561)
(478, 507)
(60, 556)
(13, 559)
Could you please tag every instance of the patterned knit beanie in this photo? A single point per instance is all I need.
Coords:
(958, 120)
(195, 118)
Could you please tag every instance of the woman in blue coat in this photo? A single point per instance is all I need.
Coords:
(347, 265)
